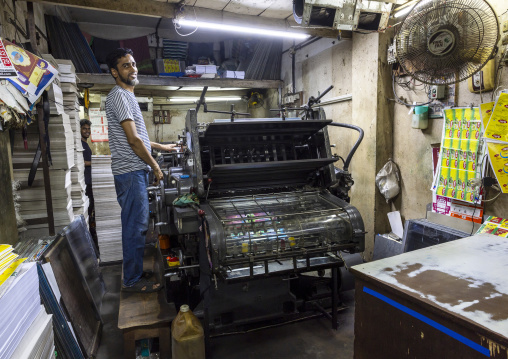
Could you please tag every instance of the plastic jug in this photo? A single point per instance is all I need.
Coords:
(187, 336)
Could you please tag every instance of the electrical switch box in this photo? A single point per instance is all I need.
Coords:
(437, 92)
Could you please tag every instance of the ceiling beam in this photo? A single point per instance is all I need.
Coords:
(107, 79)
(134, 7)
(167, 10)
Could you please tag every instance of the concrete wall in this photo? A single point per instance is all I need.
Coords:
(412, 147)
(359, 67)
(352, 67)
(325, 62)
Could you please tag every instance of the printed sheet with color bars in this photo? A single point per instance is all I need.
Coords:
(496, 135)
(458, 158)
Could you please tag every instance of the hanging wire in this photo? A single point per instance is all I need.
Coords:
(398, 100)
(180, 14)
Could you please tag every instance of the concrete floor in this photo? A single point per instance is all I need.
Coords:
(308, 339)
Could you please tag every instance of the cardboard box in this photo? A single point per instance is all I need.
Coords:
(206, 69)
(233, 75)
(169, 65)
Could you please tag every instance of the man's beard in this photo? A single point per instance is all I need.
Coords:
(127, 81)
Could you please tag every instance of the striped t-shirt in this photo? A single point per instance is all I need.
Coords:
(122, 105)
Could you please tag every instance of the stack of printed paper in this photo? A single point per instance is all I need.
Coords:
(21, 304)
(6, 257)
(107, 210)
(39, 339)
(71, 107)
(32, 199)
(66, 70)
(495, 225)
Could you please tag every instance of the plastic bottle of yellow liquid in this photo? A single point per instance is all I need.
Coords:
(187, 336)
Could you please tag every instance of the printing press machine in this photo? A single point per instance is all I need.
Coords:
(267, 239)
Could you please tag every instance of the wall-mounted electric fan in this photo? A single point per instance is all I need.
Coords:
(446, 41)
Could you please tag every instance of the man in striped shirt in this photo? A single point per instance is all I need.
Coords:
(130, 161)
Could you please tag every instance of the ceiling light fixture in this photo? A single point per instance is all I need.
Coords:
(404, 9)
(207, 99)
(241, 29)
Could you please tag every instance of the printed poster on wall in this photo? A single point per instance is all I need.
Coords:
(459, 155)
(99, 128)
(496, 135)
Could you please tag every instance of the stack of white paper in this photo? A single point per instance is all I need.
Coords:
(66, 70)
(32, 200)
(62, 142)
(70, 100)
(38, 341)
(107, 210)
(20, 305)
(55, 97)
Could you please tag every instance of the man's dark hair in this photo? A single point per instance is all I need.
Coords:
(85, 122)
(112, 58)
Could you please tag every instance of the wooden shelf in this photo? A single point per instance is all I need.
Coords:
(147, 80)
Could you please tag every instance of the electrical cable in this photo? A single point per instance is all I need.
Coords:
(472, 218)
(358, 141)
(178, 26)
(399, 101)
(500, 68)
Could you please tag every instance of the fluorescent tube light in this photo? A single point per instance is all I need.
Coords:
(241, 29)
(212, 89)
(207, 99)
(404, 9)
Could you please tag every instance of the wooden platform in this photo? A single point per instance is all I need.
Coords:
(146, 315)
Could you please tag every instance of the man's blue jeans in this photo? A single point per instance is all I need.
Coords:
(133, 199)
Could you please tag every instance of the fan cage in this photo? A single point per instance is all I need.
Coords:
(470, 26)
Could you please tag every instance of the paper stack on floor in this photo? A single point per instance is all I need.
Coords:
(107, 210)
(39, 339)
(23, 328)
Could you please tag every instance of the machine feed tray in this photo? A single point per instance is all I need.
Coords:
(264, 128)
(289, 171)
